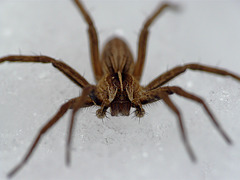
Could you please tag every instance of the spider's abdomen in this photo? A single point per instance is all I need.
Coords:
(117, 57)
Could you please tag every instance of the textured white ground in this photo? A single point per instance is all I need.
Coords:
(120, 147)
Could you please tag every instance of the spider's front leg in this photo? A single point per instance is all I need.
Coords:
(181, 92)
(164, 92)
(83, 101)
(43, 130)
(75, 104)
(152, 96)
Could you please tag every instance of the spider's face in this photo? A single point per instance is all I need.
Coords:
(113, 92)
(120, 103)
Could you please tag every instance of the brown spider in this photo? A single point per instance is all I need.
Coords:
(118, 87)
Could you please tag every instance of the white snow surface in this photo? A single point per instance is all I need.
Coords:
(117, 148)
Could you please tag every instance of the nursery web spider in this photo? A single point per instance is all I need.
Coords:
(118, 88)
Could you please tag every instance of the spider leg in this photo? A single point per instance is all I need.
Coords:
(181, 92)
(93, 38)
(167, 76)
(163, 92)
(82, 101)
(173, 107)
(61, 66)
(142, 42)
(44, 129)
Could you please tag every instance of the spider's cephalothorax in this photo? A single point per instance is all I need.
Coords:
(117, 76)
(118, 89)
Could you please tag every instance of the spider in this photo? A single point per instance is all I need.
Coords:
(117, 86)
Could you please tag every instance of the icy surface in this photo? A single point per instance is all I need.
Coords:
(121, 147)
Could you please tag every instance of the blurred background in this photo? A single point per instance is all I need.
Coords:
(204, 32)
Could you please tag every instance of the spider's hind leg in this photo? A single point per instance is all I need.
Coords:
(142, 42)
(93, 38)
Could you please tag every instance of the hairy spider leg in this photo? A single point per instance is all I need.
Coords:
(163, 92)
(142, 42)
(63, 109)
(169, 75)
(61, 66)
(83, 101)
(184, 136)
(93, 39)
